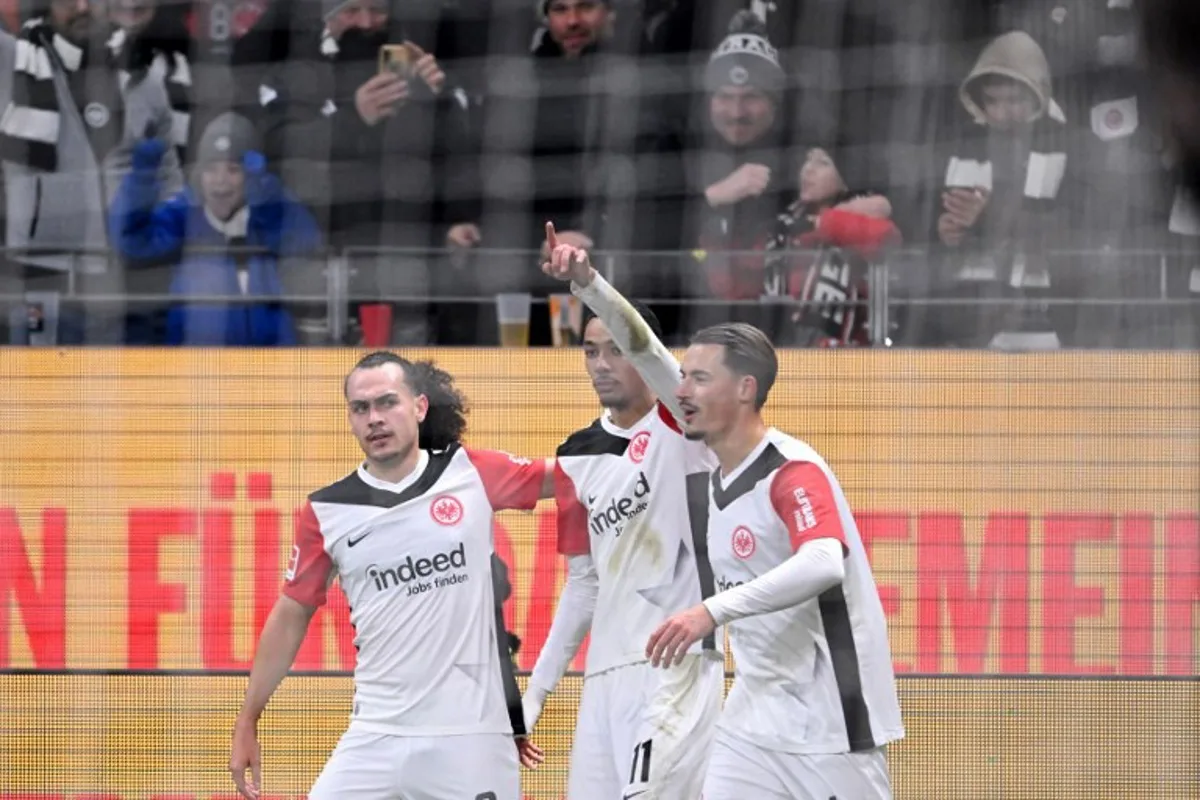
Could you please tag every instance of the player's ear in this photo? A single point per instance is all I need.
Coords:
(421, 406)
(747, 389)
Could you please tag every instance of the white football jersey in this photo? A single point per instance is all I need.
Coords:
(817, 677)
(622, 498)
(414, 559)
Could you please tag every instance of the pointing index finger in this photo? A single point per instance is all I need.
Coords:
(551, 236)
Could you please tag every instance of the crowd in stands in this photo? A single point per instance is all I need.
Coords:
(996, 168)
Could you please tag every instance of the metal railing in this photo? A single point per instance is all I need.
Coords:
(342, 273)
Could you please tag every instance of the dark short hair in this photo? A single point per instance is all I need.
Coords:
(446, 420)
(641, 308)
(748, 351)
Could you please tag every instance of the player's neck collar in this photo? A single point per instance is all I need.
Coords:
(408, 480)
(726, 480)
(610, 425)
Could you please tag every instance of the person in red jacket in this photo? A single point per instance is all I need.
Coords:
(841, 232)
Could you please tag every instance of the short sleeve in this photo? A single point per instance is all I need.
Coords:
(511, 482)
(802, 496)
(572, 515)
(309, 567)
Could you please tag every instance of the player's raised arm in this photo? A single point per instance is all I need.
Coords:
(648, 354)
(309, 575)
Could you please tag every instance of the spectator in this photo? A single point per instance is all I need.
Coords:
(846, 229)
(1119, 159)
(825, 212)
(1003, 202)
(68, 125)
(556, 88)
(742, 171)
(233, 207)
(738, 168)
(367, 147)
(1092, 51)
(149, 40)
(549, 117)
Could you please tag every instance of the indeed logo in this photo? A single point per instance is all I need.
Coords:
(724, 585)
(613, 517)
(412, 571)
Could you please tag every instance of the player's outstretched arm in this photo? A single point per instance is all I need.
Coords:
(803, 499)
(649, 355)
(513, 482)
(814, 568)
(281, 638)
(572, 621)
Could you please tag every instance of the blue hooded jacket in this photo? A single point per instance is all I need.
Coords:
(145, 230)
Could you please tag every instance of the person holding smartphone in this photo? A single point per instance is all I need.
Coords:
(1006, 201)
(364, 128)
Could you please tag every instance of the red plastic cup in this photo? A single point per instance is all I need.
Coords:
(376, 322)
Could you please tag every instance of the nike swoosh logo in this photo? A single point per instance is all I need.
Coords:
(591, 500)
(352, 542)
(636, 794)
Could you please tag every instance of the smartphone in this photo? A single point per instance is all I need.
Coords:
(396, 59)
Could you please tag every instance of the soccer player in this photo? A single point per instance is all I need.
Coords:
(409, 537)
(634, 558)
(814, 698)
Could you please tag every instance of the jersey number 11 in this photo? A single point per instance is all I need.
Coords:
(641, 754)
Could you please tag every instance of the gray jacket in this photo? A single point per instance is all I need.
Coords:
(67, 209)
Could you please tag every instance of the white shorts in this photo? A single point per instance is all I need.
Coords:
(377, 766)
(738, 770)
(646, 733)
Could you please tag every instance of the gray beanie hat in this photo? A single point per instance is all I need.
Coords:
(745, 58)
(227, 138)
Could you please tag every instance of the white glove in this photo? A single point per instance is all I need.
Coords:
(531, 705)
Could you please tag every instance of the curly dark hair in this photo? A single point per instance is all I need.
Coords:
(446, 420)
